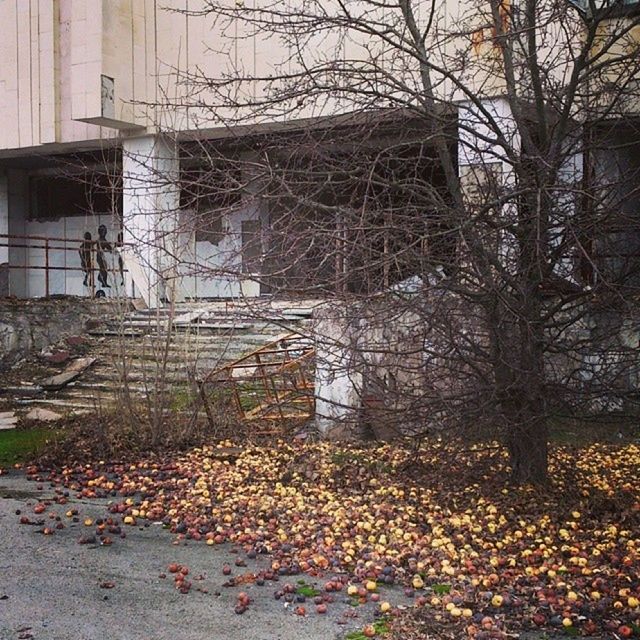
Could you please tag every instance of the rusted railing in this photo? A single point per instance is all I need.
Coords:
(50, 244)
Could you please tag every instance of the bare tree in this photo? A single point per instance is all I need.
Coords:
(465, 174)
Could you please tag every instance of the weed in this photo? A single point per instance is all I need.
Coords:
(441, 589)
(306, 590)
(381, 626)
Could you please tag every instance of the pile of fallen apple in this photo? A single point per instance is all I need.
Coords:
(443, 523)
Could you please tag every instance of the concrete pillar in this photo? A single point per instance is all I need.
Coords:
(483, 162)
(338, 383)
(18, 213)
(485, 173)
(4, 241)
(568, 202)
(151, 202)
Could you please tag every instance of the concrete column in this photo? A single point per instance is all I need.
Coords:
(568, 201)
(338, 383)
(4, 241)
(485, 173)
(17, 214)
(151, 202)
(483, 162)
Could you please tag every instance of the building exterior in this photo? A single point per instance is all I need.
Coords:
(80, 93)
(89, 90)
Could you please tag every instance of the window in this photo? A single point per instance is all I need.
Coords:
(210, 193)
(58, 196)
(209, 224)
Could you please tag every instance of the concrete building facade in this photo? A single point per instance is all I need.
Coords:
(81, 92)
(88, 90)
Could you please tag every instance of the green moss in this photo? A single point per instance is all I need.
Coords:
(306, 590)
(441, 589)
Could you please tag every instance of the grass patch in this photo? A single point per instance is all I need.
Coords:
(347, 457)
(352, 458)
(20, 446)
(381, 626)
(306, 590)
(441, 589)
(182, 398)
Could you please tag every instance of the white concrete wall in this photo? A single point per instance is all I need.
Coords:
(40, 41)
(338, 383)
(27, 114)
(220, 265)
(52, 55)
(72, 229)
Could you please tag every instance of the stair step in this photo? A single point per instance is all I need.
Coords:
(170, 345)
(174, 356)
(100, 386)
(58, 402)
(113, 332)
(139, 376)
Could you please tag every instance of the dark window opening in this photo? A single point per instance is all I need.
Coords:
(214, 188)
(360, 221)
(210, 193)
(209, 227)
(58, 196)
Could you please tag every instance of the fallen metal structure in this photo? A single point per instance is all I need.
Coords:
(272, 386)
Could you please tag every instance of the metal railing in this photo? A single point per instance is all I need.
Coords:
(51, 244)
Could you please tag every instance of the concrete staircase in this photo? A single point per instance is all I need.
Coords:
(168, 348)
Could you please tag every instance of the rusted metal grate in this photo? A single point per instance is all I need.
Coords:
(272, 385)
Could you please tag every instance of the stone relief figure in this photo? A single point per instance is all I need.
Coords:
(119, 245)
(86, 258)
(103, 246)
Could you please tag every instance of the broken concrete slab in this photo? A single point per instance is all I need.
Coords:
(8, 420)
(43, 415)
(73, 371)
(138, 304)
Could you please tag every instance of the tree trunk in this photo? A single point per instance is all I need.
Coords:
(519, 377)
(526, 440)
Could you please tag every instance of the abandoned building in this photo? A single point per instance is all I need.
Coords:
(100, 173)
(88, 200)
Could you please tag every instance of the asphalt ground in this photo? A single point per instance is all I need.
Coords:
(53, 588)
